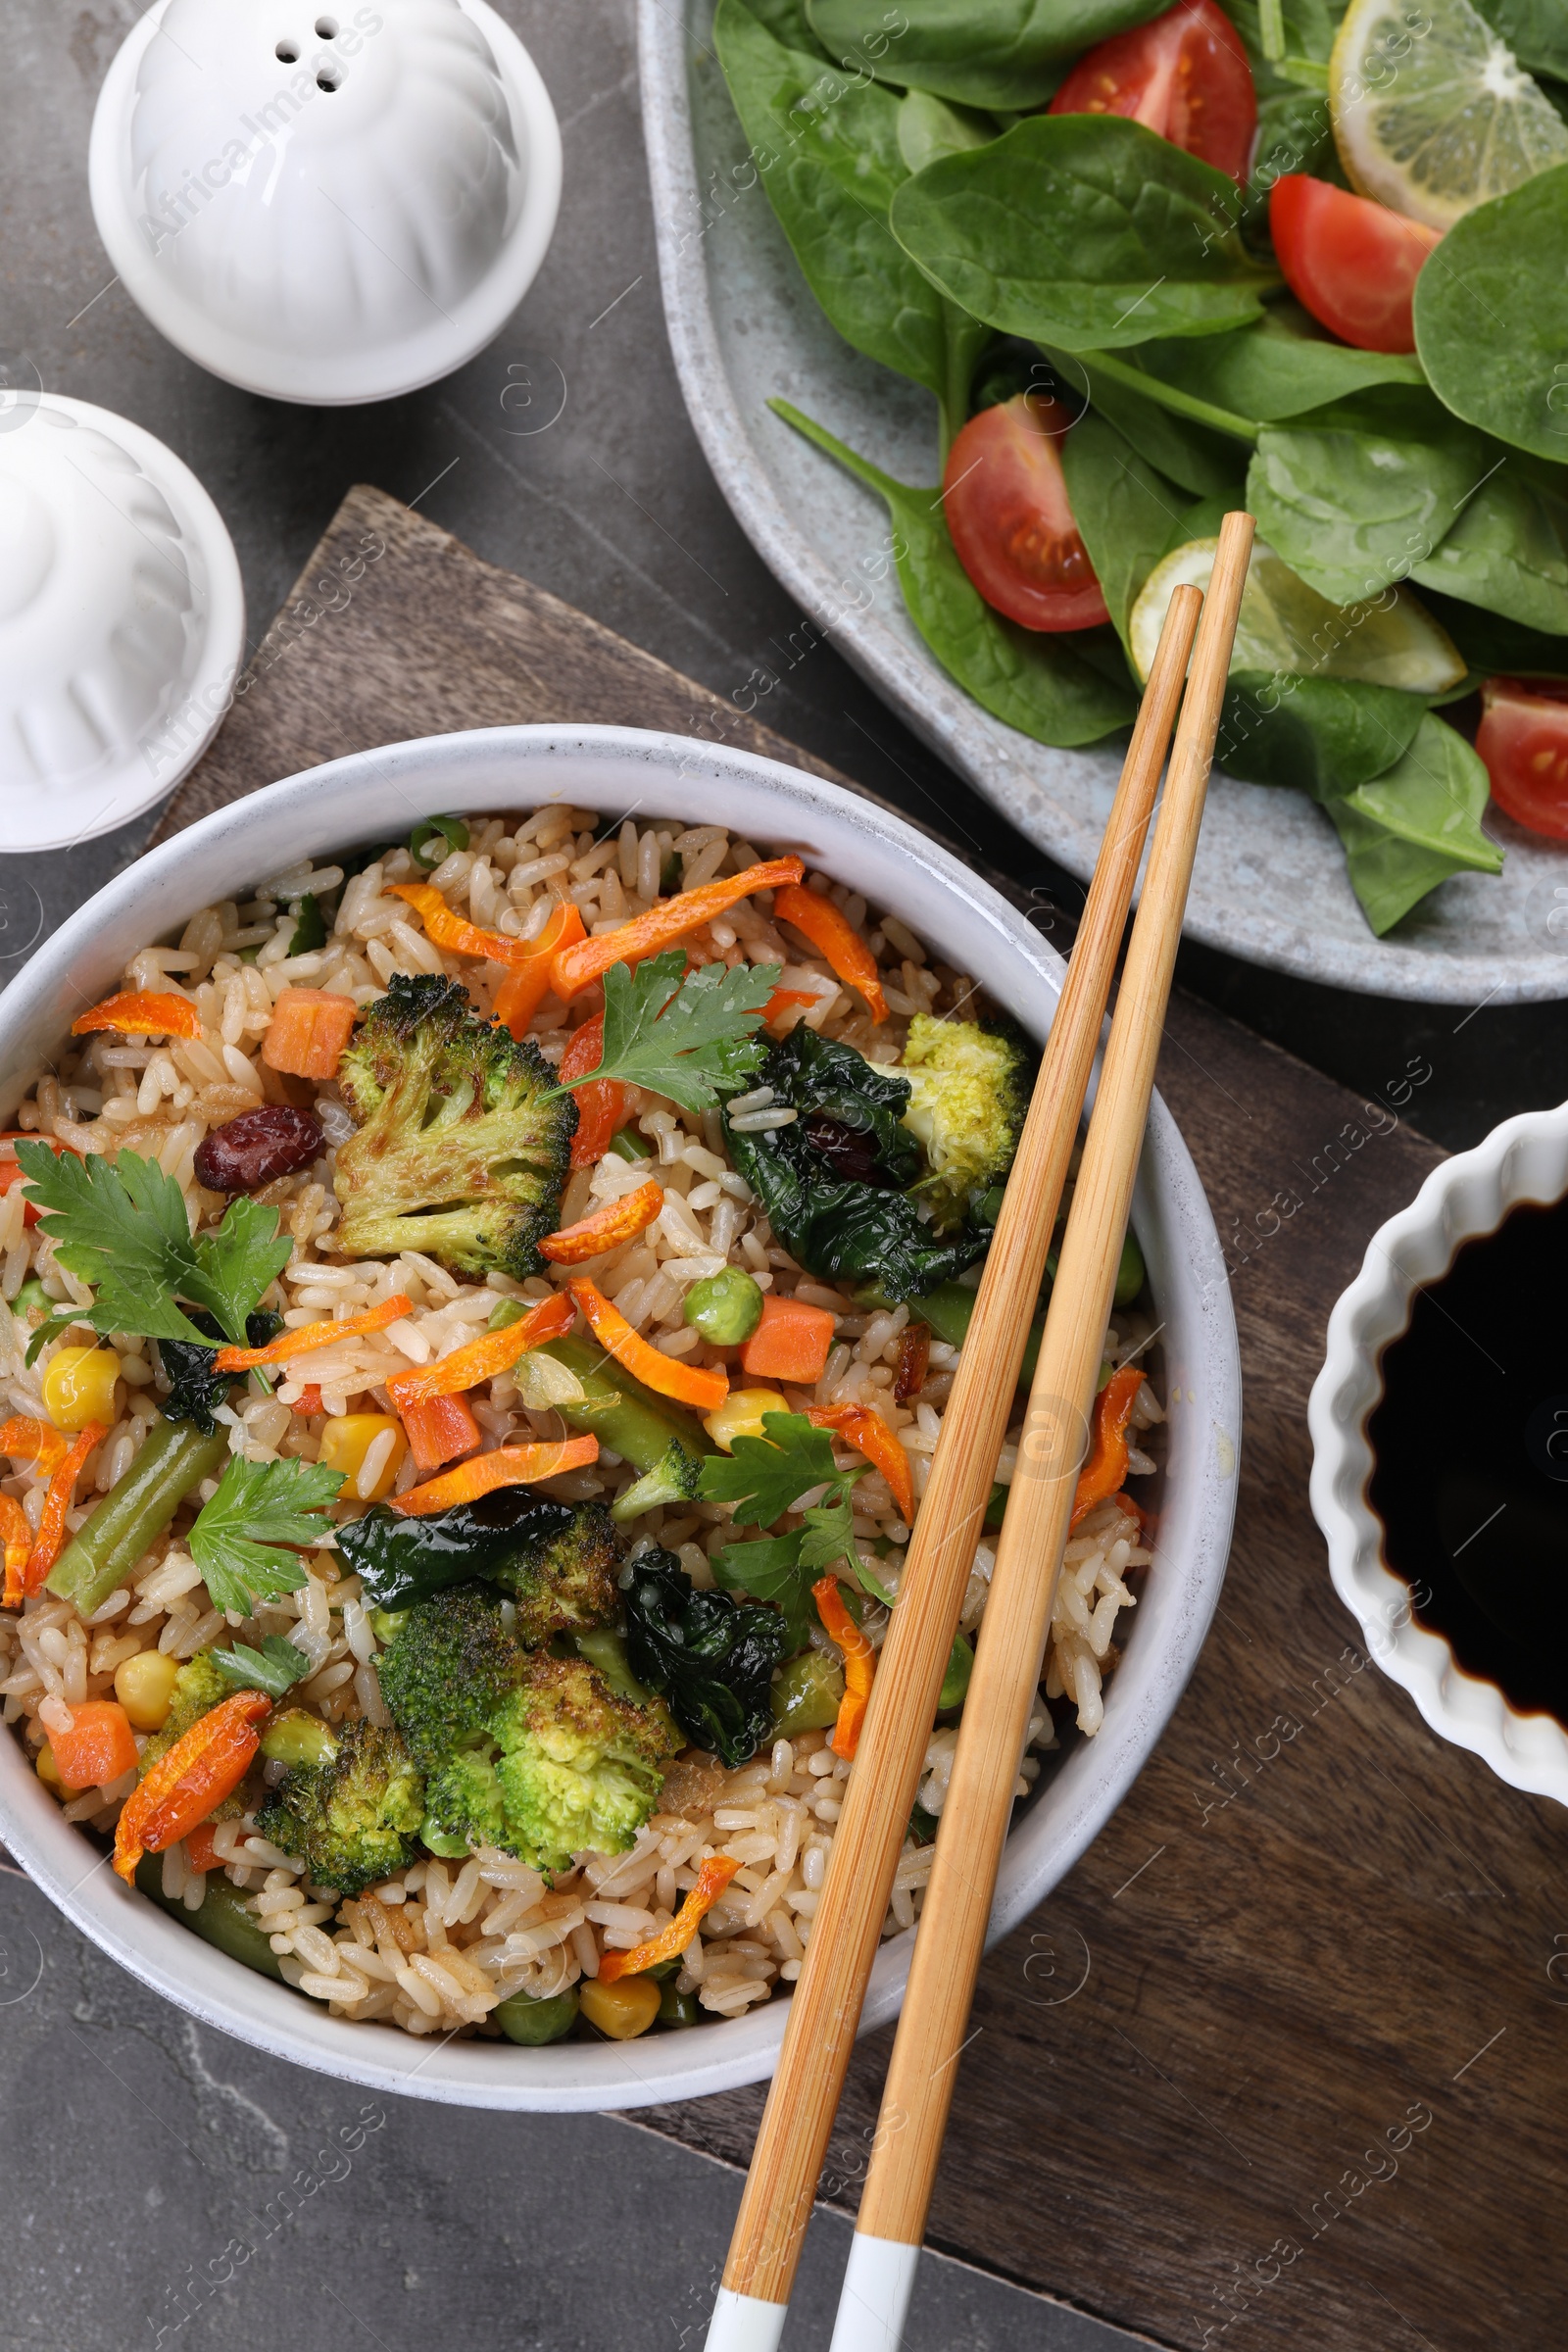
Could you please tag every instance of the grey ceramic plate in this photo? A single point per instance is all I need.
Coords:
(1270, 884)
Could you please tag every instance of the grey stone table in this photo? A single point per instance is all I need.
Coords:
(141, 2150)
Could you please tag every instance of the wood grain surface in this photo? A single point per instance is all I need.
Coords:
(1282, 2063)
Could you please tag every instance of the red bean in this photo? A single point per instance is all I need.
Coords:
(257, 1148)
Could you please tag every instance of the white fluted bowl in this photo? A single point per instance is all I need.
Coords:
(363, 798)
(325, 204)
(121, 620)
(1525, 1160)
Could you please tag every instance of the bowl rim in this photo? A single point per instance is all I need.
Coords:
(615, 768)
(1467, 1197)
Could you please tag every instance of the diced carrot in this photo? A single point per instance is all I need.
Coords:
(17, 1537)
(1105, 1471)
(138, 1012)
(857, 1664)
(30, 1440)
(51, 1534)
(616, 1222)
(201, 1852)
(790, 1342)
(665, 1374)
(312, 1336)
(11, 1167)
(714, 1877)
(914, 1360)
(310, 1029)
(527, 986)
(99, 1746)
(664, 925)
(439, 1432)
(197, 1773)
(507, 1466)
(870, 1435)
(603, 1104)
(846, 950)
(493, 1352)
(309, 1401)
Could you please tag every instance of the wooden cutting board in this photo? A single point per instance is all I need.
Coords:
(1281, 2062)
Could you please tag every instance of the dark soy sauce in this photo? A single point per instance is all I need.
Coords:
(1470, 1459)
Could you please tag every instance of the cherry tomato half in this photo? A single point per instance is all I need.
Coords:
(1352, 263)
(1185, 75)
(1522, 738)
(1007, 505)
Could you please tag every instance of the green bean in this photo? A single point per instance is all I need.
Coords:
(676, 2009)
(806, 1694)
(504, 1315)
(725, 1307)
(224, 1918)
(656, 1438)
(526, 2020)
(629, 1144)
(174, 1460)
(1130, 1273)
(956, 1681)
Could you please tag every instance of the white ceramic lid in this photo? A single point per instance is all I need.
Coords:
(122, 621)
(325, 204)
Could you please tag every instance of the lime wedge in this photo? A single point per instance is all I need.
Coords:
(1286, 626)
(1432, 111)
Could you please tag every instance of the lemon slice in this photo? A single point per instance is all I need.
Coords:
(1432, 113)
(1286, 626)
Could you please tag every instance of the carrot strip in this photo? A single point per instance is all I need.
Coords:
(664, 925)
(309, 1031)
(51, 1534)
(17, 1537)
(312, 1336)
(439, 1432)
(665, 1374)
(846, 950)
(507, 1466)
(198, 1772)
(1105, 1471)
(616, 1222)
(526, 985)
(870, 1435)
(712, 1880)
(99, 1746)
(455, 935)
(137, 1012)
(493, 1352)
(780, 1002)
(603, 1104)
(857, 1656)
(28, 1441)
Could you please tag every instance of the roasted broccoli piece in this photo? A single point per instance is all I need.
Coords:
(532, 1753)
(561, 1574)
(353, 1816)
(462, 1148)
(970, 1089)
(558, 1560)
(199, 1687)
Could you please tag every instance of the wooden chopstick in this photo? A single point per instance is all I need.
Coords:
(826, 2005)
(1013, 1635)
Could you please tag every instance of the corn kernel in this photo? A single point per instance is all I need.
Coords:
(622, 2010)
(79, 1386)
(741, 1415)
(47, 1768)
(346, 1441)
(145, 1688)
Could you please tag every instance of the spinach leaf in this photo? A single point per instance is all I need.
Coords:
(1323, 736)
(1494, 647)
(1491, 316)
(1279, 367)
(1010, 54)
(1047, 687)
(827, 149)
(1203, 462)
(195, 1389)
(789, 24)
(1083, 231)
(1416, 825)
(712, 1658)
(1508, 551)
(929, 128)
(400, 1559)
(1354, 497)
(1125, 510)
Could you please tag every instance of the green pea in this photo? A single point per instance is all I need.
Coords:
(726, 1308)
(677, 2008)
(1130, 1274)
(956, 1681)
(297, 1736)
(387, 1623)
(504, 1314)
(33, 1294)
(629, 1144)
(441, 1841)
(806, 1694)
(532, 2021)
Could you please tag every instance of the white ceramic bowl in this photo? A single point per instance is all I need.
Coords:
(1524, 1160)
(325, 202)
(373, 794)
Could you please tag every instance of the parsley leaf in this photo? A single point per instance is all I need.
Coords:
(829, 1536)
(258, 1506)
(764, 1477)
(274, 1668)
(770, 1571)
(121, 1226)
(683, 1038)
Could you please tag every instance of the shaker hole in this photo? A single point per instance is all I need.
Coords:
(287, 53)
(328, 79)
(327, 28)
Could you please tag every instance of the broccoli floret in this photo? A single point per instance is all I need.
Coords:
(562, 1576)
(353, 1816)
(462, 1145)
(532, 1753)
(970, 1089)
(199, 1687)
